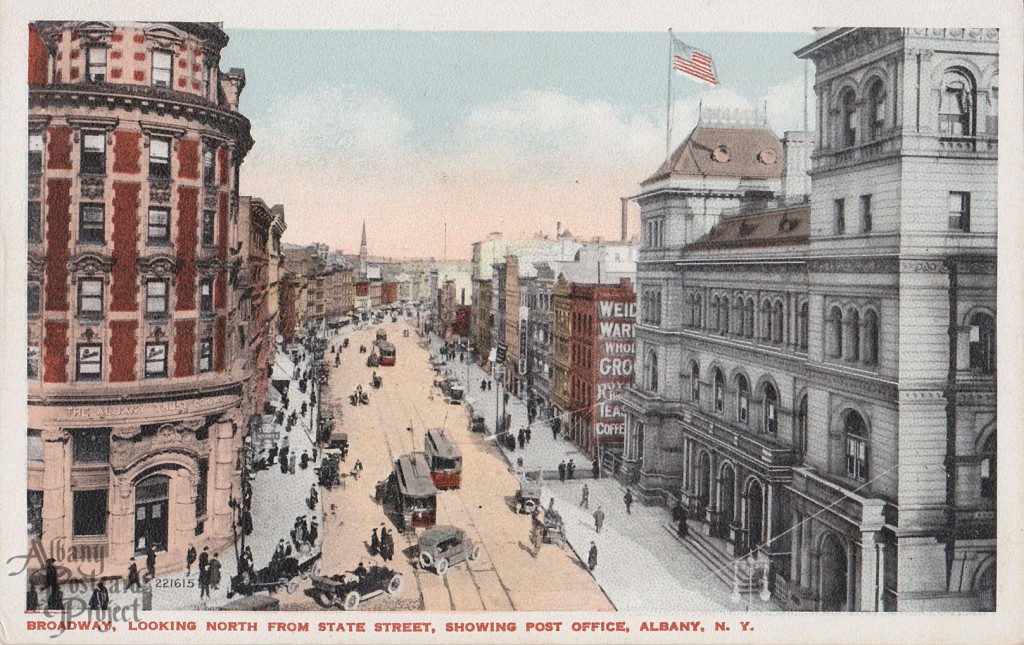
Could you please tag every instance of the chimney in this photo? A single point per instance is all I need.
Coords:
(558, 228)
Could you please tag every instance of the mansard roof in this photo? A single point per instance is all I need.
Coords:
(733, 152)
(785, 226)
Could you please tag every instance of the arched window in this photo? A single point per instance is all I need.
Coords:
(742, 399)
(737, 316)
(748, 318)
(869, 338)
(713, 314)
(698, 314)
(766, 320)
(848, 130)
(876, 107)
(852, 324)
(988, 467)
(834, 333)
(855, 432)
(983, 343)
(719, 391)
(770, 419)
(723, 316)
(956, 104)
(992, 118)
(801, 425)
(695, 382)
(803, 324)
(777, 322)
(652, 371)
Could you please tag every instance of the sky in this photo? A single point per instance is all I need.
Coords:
(478, 132)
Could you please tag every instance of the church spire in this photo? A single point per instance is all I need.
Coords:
(362, 242)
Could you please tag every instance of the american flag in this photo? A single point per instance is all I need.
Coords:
(695, 64)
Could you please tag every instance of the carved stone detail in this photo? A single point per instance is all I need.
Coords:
(160, 191)
(88, 264)
(125, 451)
(159, 265)
(853, 265)
(92, 187)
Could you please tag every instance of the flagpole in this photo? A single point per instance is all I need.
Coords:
(668, 103)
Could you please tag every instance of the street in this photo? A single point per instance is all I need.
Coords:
(507, 576)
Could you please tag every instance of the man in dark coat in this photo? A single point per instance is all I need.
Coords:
(190, 559)
(374, 543)
(55, 600)
(684, 530)
(100, 597)
(133, 576)
(214, 573)
(561, 471)
(150, 561)
(628, 499)
(51, 574)
(570, 469)
(204, 559)
(596, 469)
(592, 556)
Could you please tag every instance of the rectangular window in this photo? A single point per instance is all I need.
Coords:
(159, 158)
(90, 512)
(857, 458)
(35, 152)
(206, 296)
(162, 69)
(205, 355)
(209, 167)
(960, 211)
(35, 223)
(156, 360)
(865, 214)
(35, 446)
(35, 513)
(96, 64)
(91, 446)
(159, 226)
(840, 216)
(156, 298)
(89, 366)
(33, 363)
(91, 224)
(208, 89)
(94, 153)
(90, 298)
(209, 217)
(33, 299)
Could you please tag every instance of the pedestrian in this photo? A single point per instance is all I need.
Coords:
(628, 499)
(677, 510)
(555, 423)
(291, 464)
(592, 556)
(374, 543)
(314, 532)
(304, 460)
(522, 438)
(551, 505)
(506, 398)
(684, 529)
(570, 469)
(585, 502)
(133, 575)
(527, 435)
(357, 469)
(561, 471)
(100, 599)
(598, 518)
(214, 572)
(204, 581)
(150, 561)
(596, 469)
(272, 455)
(204, 559)
(387, 547)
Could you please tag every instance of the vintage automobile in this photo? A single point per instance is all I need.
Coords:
(453, 392)
(528, 496)
(347, 590)
(444, 546)
(477, 423)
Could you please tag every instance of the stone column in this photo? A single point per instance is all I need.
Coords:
(795, 547)
(222, 481)
(121, 528)
(57, 501)
(806, 536)
(870, 580)
(852, 577)
(181, 515)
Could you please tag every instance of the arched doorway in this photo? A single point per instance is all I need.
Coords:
(754, 515)
(151, 496)
(833, 574)
(704, 481)
(727, 495)
(985, 588)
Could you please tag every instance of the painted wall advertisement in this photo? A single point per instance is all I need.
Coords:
(616, 343)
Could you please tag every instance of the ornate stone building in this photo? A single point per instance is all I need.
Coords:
(136, 379)
(817, 383)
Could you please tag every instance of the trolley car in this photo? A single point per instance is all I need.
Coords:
(444, 458)
(410, 491)
(387, 353)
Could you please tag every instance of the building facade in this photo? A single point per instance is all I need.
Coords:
(836, 409)
(136, 370)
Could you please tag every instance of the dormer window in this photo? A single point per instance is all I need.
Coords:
(96, 64)
(162, 69)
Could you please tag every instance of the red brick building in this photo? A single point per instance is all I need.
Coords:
(601, 363)
(254, 222)
(136, 346)
(388, 293)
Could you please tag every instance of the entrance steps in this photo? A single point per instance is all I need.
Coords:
(715, 554)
